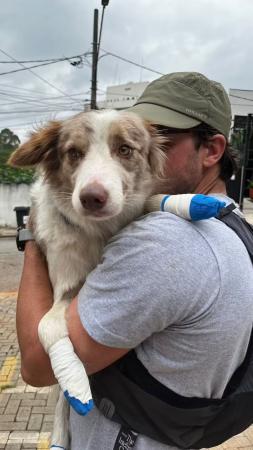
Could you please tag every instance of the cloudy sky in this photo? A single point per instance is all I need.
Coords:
(214, 37)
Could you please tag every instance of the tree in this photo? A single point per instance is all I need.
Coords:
(8, 140)
(11, 175)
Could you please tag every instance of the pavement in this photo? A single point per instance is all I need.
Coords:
(27, 413)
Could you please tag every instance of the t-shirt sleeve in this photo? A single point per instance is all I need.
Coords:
(143, 284)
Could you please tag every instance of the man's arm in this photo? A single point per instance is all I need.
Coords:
(35, 298)
(94, 355)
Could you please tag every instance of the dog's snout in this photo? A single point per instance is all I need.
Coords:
(93, 197)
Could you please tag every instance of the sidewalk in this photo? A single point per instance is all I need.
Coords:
(26, 413)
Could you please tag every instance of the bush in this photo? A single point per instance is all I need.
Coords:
(11, 175)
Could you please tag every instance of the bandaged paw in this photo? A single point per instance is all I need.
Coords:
(57, 447)
(71, 375)
(187, 206)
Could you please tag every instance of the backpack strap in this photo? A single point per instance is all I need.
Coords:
(239, 225)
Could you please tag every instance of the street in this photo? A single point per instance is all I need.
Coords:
(11, 262)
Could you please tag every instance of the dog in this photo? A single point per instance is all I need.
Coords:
(95, 172)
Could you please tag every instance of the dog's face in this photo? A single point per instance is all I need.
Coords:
(100, 161)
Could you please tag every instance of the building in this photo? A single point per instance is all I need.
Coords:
(241, 102)
(123, 95)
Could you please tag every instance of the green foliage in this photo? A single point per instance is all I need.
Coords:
(10, 175)
(237, 139)
(250, 184)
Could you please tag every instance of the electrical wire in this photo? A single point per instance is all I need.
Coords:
(27, 68)
(37, 65)
(45, 60)
(36, 75)
(129, 61)
(243, 98)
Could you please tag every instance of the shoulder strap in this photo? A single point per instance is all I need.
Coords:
(239, 225)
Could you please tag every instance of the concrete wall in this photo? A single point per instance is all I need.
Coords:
(12, 195)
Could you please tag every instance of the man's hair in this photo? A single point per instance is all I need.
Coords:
(229, 162)
(202, 133)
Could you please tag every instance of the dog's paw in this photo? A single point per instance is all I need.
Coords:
(187, 206)
(80, 407)
(71, 375)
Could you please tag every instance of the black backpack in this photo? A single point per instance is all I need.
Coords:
(126, 393)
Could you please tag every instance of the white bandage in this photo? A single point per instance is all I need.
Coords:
(71, 375)
(178, 204)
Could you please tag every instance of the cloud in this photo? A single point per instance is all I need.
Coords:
(210, 36)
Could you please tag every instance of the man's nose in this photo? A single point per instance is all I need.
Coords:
(93, 197)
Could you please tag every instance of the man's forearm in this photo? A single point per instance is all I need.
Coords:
(35, 298)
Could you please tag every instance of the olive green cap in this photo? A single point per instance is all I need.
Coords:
(184, 100)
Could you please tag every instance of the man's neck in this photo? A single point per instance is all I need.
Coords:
(211, 183)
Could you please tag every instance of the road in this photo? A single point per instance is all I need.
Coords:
(11, 262)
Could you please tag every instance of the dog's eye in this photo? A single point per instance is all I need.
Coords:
(74, 154)
(125, 151)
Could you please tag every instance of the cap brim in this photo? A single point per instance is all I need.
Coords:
(159, 115)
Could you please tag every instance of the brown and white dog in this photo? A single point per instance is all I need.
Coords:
(95, 172)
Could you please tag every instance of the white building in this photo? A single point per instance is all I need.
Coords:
(241, 102)
(123, 95)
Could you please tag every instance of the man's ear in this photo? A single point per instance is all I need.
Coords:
(41, 147)
(213, 150)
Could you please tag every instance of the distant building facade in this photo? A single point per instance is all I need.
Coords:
(241, 102)
(123, 96)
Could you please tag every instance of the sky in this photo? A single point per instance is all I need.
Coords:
(214, 37)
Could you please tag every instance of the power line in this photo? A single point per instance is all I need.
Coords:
(243, 98)
(12, 93)
(39, 65)
(22, 98)
(45, 60)
(20, 88)
(36, 75)
(130, 62)
(27, 68)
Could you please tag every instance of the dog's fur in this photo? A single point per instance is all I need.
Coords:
(95, 172)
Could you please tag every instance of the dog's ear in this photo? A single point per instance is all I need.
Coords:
(157, 156)
(40, 148)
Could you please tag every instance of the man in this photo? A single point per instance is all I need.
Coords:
(180, 293)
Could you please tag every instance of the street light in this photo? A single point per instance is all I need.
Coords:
(95, 53)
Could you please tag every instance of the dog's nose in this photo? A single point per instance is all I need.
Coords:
(93, 197)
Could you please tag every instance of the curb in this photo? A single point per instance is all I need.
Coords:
(7, 232)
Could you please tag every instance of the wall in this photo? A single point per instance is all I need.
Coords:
(12, 195)
(124, 95)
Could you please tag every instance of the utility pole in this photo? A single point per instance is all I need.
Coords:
(95, 53)
(93, 103)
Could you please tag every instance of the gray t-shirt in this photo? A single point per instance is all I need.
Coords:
(179, 292)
